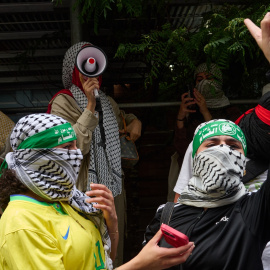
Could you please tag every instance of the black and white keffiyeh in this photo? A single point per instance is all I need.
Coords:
(216, 180)
(105, 162)
(211, 68)
(51, 173)
(212, 89)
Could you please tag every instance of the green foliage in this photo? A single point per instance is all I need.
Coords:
(93, 10)
(172, 54)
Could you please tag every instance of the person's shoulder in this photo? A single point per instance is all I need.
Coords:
(112, 101)
(28, 216)
(62, 94)
(171, 204)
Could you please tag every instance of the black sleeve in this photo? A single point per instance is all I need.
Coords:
(255, 209)
(153, 227)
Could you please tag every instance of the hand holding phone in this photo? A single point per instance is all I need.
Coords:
(173, 237)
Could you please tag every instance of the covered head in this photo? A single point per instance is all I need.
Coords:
(70, 73)
(208, 80)
(49, 172)
(255, 124)
(41, 131)
(217, 128)
(218, 167)
(212, 69)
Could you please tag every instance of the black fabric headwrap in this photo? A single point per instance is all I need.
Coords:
(258, 141)
(257, 132)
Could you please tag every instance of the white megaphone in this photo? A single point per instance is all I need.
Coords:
(91, 61)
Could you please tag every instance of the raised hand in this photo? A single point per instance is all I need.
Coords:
(89, 85)
(261, 35)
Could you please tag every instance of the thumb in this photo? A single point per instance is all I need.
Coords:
(121, 131)
(157, 237)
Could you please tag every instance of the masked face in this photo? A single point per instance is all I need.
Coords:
(220, 169)
(209, 89)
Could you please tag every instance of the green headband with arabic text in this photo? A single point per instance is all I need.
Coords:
(48, 138)
(218, 128)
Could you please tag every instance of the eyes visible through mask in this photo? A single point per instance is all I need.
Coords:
(69, 145)
(202, 76)
(218, 140)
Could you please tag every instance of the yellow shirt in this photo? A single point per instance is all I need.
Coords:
(36, 235)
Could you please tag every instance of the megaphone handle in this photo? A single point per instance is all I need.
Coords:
(96, 94)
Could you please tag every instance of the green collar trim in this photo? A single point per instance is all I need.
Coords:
(56, 205)
(50, 138)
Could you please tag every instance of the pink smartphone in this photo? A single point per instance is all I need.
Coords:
(173, 237)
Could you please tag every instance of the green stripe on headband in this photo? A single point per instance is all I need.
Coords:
(218, 128)
(50, 138)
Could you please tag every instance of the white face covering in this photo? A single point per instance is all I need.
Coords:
(216, 180)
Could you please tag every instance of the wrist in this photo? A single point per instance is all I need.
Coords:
(180, 119)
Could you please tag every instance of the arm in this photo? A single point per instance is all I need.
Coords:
(20, 251)
(134, 125)
(153, 257)
(83, 123)
(185, 173)
(255, 210)
(184, 110)
(102, 198)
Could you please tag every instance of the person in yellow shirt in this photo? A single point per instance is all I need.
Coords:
(48, 223)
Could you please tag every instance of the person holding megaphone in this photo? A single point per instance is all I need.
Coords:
(96, 119)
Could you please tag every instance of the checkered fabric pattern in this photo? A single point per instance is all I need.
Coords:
(105, 163)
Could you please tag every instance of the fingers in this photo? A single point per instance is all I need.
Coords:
(134, 129)
(135, 136)
(178, 251)
(89, 84)
(172, 251)
(254, 30)
(261, 35)
(156, 237)
(178, 259)
(100, 193)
